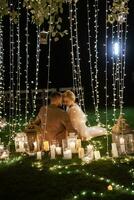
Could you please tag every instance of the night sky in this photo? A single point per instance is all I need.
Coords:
(61, 72)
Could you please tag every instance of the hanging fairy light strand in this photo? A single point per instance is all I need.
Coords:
(48, 67)
(124, 60)
(1, 69)
(18, 94)
(118, 16)
(27, 67)
(75, 54)
(11, 87)
(74, 76)
(37, 70)
(90, 56)
(113, 75)
(81, 92)
(96, 61)
(106, 78)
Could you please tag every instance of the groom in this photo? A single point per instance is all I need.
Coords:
(54, 122)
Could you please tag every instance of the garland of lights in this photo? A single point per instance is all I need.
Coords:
(62, 170)
(27, 66)
(18, 95)
(37, 70)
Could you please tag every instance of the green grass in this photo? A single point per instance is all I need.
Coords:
(26, 178)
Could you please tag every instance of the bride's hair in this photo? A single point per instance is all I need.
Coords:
(69, 94)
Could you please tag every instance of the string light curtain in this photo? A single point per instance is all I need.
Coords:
(27, 68)
(90, 56)
(37, 71)
(75, 54)
(18, 115)
(2, 70)
(48, 66)
(12, 73)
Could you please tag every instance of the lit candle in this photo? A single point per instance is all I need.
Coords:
(4, 155)
(35, 146)
(90, 152)
(1, 147)
(81, 153)
(78, 144)
(97, 155)
(122, 145)
(58, 150)
(114, 150)
(64, 144)
(72, 146)
(67, 154)
(52, 151)
(39, 155)
(46, 145)
(21, 145)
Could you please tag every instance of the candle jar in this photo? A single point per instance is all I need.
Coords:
(58, 150)
(39, 155)
(78, 144)
(80, 153)
(67, 154)
(52, 151)
(46, 146)
(97, 155)
(90, 151)
(114, 150)
(122, 145)
(64, 144)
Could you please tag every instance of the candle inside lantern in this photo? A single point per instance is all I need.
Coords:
(97, 155)
(81, 152)
(52, 151)
(122, 145)
(21, 145)
(39, 155)
(35, 146)
(58, 150)
(46, 145)
(114, 150)
(67, 154)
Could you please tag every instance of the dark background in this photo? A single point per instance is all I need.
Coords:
(61, 71)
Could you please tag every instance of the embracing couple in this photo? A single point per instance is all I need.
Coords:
(56, 123)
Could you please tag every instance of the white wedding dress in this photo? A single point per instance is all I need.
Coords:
(78, 120)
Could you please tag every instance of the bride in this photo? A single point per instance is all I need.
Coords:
(78, 118)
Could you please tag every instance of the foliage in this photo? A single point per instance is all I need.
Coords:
(27, 178)
(49, 11)
(118, 11)
(3, 8)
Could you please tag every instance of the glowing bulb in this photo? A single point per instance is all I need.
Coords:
(116, 48)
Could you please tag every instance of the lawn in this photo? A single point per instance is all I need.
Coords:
(24, 177)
